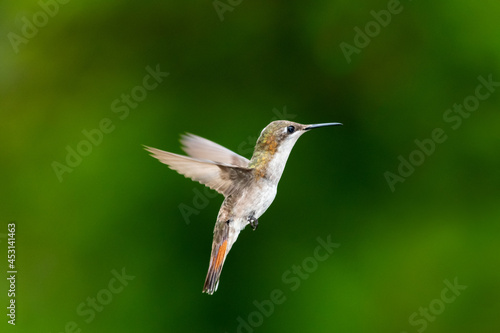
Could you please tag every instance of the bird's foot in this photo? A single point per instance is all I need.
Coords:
(254, 223)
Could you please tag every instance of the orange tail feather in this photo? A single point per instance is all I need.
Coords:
(215, 268)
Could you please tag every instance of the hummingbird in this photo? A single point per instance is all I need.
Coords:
(248, 186)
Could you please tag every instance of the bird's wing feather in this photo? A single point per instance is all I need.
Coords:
(203, 149)
(222, 177)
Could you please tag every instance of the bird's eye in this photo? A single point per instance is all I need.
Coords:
(290, 129)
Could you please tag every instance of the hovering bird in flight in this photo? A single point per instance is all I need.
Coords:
(249, 186)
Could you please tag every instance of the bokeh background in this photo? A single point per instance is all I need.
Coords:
(230, 74)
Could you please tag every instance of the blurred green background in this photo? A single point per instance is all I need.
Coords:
(119, 209)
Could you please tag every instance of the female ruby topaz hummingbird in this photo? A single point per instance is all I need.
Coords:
(249, 187)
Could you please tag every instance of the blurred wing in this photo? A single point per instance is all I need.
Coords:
(203, 149)
(223, 178)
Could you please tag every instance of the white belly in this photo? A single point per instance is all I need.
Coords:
(254, 202)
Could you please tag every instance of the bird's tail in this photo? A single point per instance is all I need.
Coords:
(224, 237)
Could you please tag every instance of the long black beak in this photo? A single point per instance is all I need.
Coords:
(322, 125)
